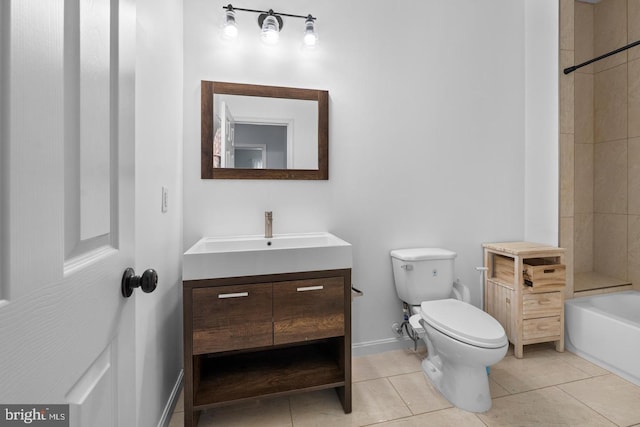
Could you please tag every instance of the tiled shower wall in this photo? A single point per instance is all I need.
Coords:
(600, 139)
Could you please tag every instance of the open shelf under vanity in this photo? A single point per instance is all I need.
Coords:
(232, 378)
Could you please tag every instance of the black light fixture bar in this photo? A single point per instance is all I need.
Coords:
(268, 12)
(606, 55)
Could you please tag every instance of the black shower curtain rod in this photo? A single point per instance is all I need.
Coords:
(606, 55)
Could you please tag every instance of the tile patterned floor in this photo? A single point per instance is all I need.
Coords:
(389, 389)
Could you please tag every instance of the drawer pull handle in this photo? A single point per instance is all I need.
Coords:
(234, 295)
(310, 288)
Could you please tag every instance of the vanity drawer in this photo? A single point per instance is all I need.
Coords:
(232, 317)
(308, 309)
(544, 327)
(541, 305)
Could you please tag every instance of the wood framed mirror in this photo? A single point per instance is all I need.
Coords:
(263, 132)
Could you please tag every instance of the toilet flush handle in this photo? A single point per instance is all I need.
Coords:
(407, 267)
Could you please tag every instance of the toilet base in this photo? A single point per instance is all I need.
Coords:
(466, 387)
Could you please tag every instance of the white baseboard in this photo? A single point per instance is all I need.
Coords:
(379, 346)
(165, 419)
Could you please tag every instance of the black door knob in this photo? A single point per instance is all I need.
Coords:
(147, 282)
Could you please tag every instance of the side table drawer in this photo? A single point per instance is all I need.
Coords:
(541, 305)
(545, 327)
(232, 317)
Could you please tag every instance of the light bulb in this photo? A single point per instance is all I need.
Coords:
(310, 35)
(230, 29)
(270, 30)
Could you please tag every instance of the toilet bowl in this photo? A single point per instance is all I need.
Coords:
(462, 340)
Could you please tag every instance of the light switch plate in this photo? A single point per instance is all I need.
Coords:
(165, 199)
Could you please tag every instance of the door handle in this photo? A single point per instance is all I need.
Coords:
(147, 282)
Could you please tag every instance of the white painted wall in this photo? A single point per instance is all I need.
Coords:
(427, 132)
(541, 121)
(158, 235)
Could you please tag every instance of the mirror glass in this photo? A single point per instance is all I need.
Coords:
(285, 129)
(263, 132)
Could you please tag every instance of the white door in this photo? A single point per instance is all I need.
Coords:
(67, 212)
(228, 137)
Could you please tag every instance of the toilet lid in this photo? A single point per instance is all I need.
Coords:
(464, 322)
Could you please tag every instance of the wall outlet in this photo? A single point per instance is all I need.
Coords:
(397, 329)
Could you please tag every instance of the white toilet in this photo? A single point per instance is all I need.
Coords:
(461, 339)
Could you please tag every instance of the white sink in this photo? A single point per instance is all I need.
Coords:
(215, 257)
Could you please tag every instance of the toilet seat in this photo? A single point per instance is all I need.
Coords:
(464, 322)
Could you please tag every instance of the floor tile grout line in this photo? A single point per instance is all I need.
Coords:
(409, 417)
(515, 393)
(385, 376)
(565, 382)
(290, 411)
(400, 395)
(586, 405)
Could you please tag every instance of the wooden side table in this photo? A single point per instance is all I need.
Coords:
(524, 290)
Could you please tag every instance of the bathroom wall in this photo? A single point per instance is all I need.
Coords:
(603, 199)
(427, 133)
(158, 235)
(541, 122)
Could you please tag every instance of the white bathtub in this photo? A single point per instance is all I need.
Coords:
(605, 329)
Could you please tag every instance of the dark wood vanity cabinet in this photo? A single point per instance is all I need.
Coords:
(264, 336)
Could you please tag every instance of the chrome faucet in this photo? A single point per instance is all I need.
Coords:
(268, 224)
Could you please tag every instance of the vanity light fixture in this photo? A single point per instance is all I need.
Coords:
(310, 35)
(270, 28)
(270, 24)
(229, 28)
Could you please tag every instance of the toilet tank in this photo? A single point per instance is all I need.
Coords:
(423, 274)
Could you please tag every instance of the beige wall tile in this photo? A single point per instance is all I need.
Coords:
(566, 93)
(610, 177)
(583, 38)
(566, 24)
(583, 178)
(633, 21)
(633, 161)
(610, 32)
(634, 97)
(566, 242)
(583, 107)
(610, 245)
(610, 102)
(583, 250)
(634, 250)
(567, 162)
